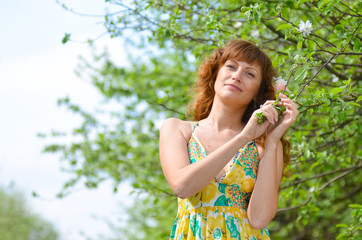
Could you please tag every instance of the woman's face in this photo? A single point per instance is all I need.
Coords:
(237, 82)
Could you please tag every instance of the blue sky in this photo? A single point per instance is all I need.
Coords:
(36, 69)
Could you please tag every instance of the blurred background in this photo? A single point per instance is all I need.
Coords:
(85, 86)
(36, 69)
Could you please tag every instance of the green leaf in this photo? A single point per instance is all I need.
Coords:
(247, 15)
(343, 236)
(284, 26)
(285, 12)
(336, 90)
(66, 38)
(301, 73)
(359, 99)
(354, 104)
(355, 205)
(321, 4)
(256, 15)
(357, 45)
(300, 44)
(309, 54)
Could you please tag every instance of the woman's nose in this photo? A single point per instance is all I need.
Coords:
(236, 76)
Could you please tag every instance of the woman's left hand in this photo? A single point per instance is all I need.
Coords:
(275, 131)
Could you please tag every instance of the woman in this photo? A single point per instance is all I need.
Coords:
(225, 168)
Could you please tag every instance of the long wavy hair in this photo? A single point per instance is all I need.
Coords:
(238, 50)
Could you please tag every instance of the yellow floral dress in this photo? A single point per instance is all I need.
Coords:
(219, 210)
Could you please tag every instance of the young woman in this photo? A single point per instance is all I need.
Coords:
(225, 168)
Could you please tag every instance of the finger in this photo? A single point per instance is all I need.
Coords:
(269, 116)
(289, 103)
(287, 100)
(291, 115)
(286, 104)
(291, 106)
(268, 102)
(275, 113)
(281, 95)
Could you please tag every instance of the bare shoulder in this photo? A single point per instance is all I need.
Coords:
(174, 126)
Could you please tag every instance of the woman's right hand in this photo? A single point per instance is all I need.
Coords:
(253, 129)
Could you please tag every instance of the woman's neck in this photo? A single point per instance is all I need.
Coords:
(223, 117)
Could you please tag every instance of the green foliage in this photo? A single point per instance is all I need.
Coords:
(354, 230)
(17, 222)
(66, 38)
(324, 72)
(145, 222)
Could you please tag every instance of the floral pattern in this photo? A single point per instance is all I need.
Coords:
(219, 210)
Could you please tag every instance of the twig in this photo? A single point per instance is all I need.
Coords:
(312, 106)
(165, 107)
(352, 15)
(336, 178)
(86, 14)
(295, 207)
(348, 65)
(320, 190)
(315, 35)
(350, 53)
(274, 50)
(87, 41)
(319, 175)
(351, 9)
(359, 24)
(311, 79)
(291, 74)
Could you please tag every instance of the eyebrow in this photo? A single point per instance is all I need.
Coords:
(253, 68)
(246, 67)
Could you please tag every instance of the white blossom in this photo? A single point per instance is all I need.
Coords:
(237, 24)
(305, 28)
(335, 78)
(255, 33)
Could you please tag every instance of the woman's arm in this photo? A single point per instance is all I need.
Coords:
(187, 179)
(263, 203)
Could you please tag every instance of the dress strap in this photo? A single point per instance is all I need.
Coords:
(193, 128)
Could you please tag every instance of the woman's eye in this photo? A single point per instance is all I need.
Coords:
(229, 66)
(251, 74)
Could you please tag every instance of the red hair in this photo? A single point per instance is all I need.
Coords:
(238, 50)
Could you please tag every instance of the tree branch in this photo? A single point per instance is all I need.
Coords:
(320, 190)
(350, 9)
(319, 175)
(305, 84)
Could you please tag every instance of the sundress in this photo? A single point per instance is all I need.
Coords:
(219, 210)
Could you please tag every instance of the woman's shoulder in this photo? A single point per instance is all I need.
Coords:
(172, 125)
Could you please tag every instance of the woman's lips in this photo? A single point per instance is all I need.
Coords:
(233, 86)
